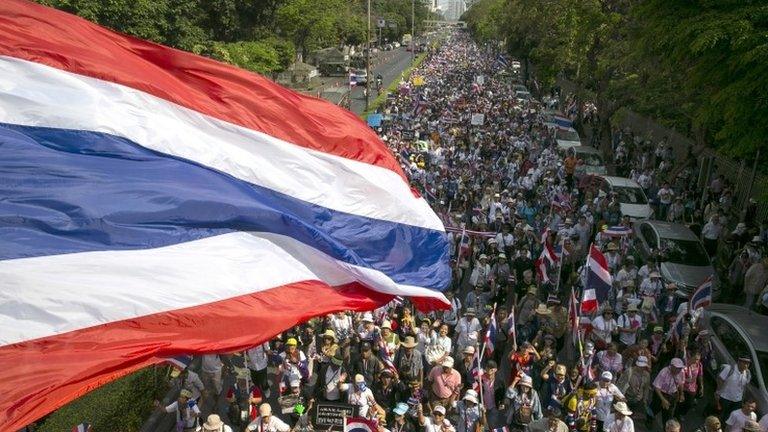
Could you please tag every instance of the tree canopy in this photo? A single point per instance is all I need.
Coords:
(264, 36)
(700, 66)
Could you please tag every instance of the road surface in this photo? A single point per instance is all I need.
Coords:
(389, 64)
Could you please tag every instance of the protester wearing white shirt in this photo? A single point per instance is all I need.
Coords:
(607, 394)
(739, 417)
(732, 382)
(620, 420)
(266, 422)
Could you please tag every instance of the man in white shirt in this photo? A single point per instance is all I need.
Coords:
(620, 420)
(211, 373)
(467, 330)
(739, 417)
(360, 395)
(604, 327)
(607, 394)
(710, 233)
(436, 423)
(629, 324)
(257, 364)
(186, 409)
(732, 381)
(266, 422)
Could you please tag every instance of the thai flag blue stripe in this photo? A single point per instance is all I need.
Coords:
(67, 191)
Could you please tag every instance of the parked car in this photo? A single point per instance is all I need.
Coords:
(739, 332)
(566, 137)
(522, 96)
(631, 197)
(360, 76)
(520, 87)
(591, 161)
(683, 259)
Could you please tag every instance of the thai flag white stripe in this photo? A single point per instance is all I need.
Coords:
(599, 271)
(49, 295)
(33, 94)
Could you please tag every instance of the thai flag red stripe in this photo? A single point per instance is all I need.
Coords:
(66, 42)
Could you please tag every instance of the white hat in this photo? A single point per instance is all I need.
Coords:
(359, 378)
(642, 361)
(265, 409)
(469, 350)
(470, 395)
(440, 409)
(367, 317)
(295, 382)
(606, 376)
(525, 380)
(676, 362)
(447, 361)
(622, 408)
(213, 423)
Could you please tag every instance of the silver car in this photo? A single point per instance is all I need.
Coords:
(683, 259)
(739, 332)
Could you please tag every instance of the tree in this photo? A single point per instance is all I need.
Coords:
(310, 24)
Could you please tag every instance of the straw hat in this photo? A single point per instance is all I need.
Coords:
(621, 407)
(265, 409)
(213, 423)
(542, 309)
(409, 342)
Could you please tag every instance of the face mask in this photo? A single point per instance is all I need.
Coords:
(361, 387)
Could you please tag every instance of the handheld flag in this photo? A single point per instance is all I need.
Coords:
(359, 424)
(573, 317)
(82, 427)
(512, 329)
(702, 297)
(179, 362)
(161, 199)
(617, 231)
(598, 276)
(490, 334)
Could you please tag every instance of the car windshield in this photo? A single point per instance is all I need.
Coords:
(630, 195)
(591, 159)
(688, 252)
(567, 135)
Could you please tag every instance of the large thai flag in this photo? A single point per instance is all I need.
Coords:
(702, 297)
(599, 278)
(155, 203)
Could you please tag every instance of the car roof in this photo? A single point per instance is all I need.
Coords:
(620, 181)
(586, 149)
(753, 324)
(669, 230)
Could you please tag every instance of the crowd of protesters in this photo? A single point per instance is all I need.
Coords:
(489, 165)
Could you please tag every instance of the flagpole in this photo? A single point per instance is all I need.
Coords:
(560, 267)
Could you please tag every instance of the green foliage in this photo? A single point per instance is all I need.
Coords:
(121, 406)
(699, 66)
(254, 56)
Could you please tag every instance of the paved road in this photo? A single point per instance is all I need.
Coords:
(389, 64)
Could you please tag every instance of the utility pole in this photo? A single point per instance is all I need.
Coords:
(368, 57)
(413, 30)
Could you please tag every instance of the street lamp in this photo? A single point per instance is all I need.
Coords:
(368, 57)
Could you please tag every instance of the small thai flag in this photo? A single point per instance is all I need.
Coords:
(490, 334)
(702, 297)
(179, 362)
(82, 427)
(617, 231)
